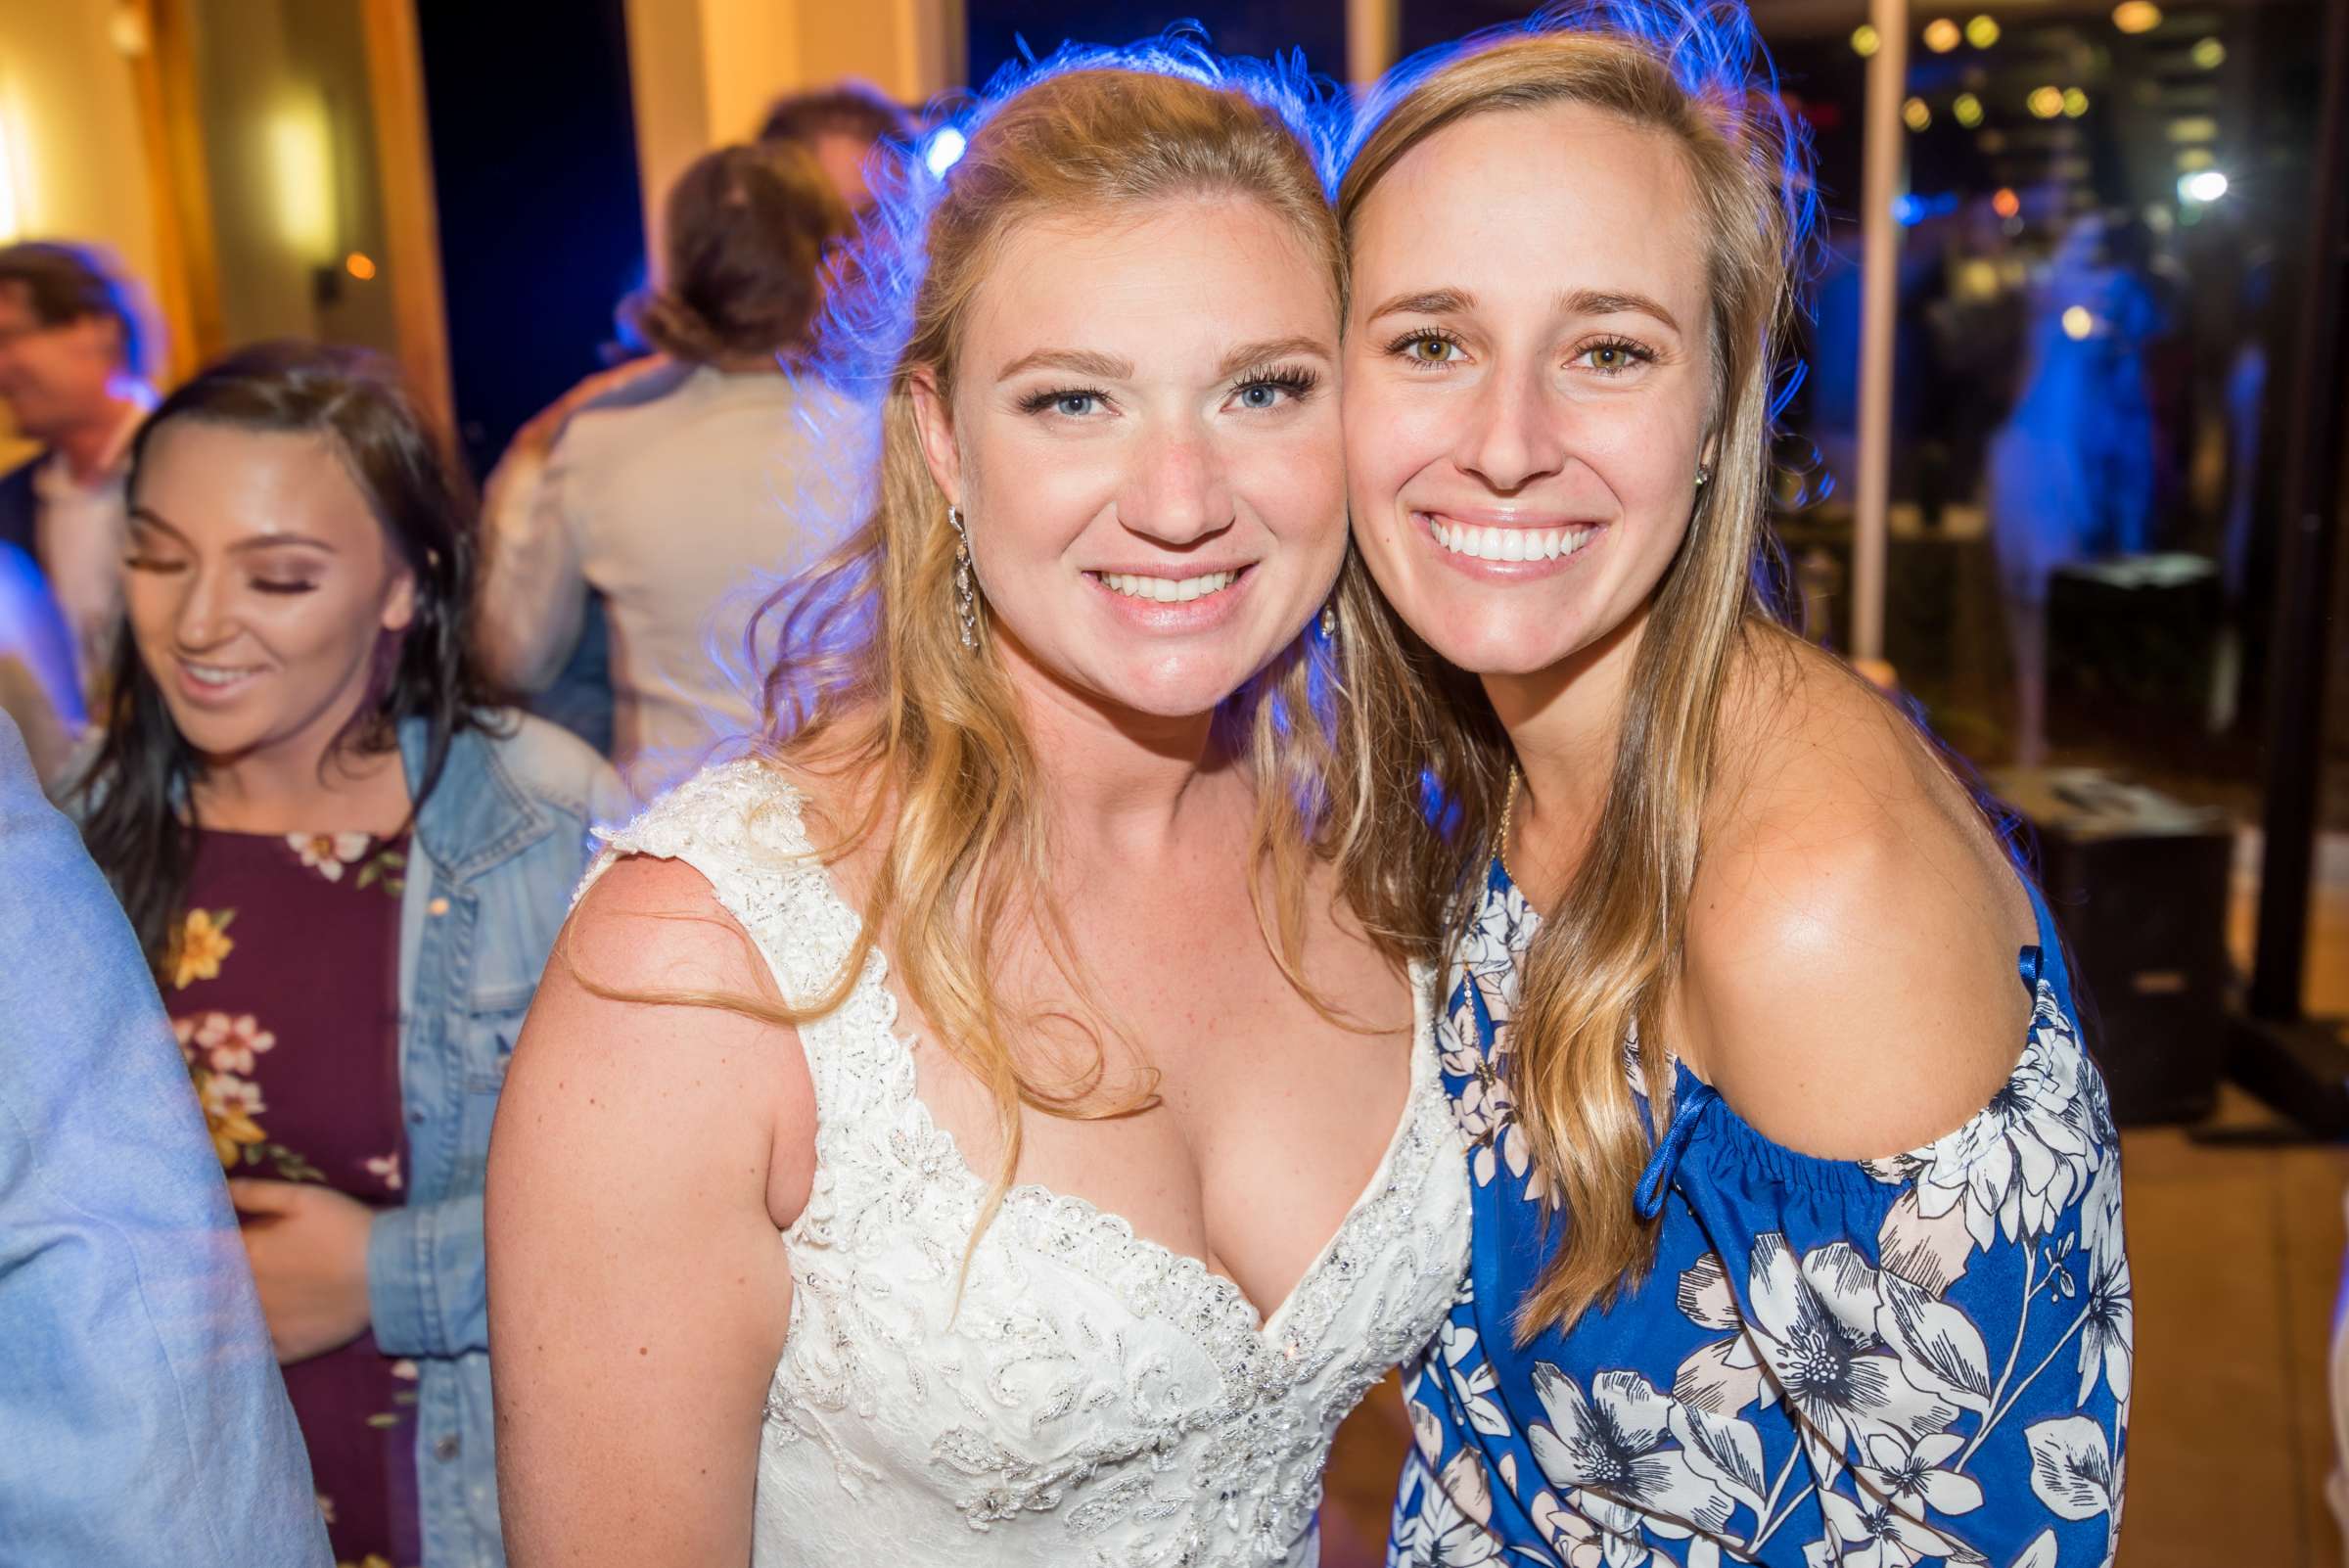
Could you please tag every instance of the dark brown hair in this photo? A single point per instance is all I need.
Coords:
(747, 231)
(139, 820)
(849, 108)
(67, 283)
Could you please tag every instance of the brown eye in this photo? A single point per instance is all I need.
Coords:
(1613, 358)
(1425, 348)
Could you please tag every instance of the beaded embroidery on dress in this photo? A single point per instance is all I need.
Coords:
(1099, 1399)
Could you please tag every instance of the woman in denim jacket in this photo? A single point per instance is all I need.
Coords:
(348, 867)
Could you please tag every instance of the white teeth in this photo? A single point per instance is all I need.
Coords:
(214, 675)
(1508, 544)
(1168, 590)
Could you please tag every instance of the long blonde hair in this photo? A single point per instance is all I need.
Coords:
(1602, 965)
(867, 677)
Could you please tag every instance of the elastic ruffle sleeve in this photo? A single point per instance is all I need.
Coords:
(1949, 1331)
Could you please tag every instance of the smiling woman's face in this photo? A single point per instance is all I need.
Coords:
(1143, 440)
(258, 586)
(1527, 380)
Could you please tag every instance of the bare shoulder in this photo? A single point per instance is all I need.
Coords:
(649, 926)
(1850, 983)
(657, 1006)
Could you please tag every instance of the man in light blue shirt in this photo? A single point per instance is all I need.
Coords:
(142, 1418)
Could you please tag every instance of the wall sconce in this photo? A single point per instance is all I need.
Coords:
(302, 164)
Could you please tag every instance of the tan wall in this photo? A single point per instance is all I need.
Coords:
(288, 144)
(704, 71)
(70, 146)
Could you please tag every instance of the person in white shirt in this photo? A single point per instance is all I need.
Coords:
(678, 486)
(70, 359)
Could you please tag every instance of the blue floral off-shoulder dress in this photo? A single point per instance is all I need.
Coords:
(1922, 1358)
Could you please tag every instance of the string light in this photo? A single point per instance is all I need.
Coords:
(1915, 114)
(1864, 40)
(2136, 16)
(1982, 32)
(1942, 35)
(1968, 110)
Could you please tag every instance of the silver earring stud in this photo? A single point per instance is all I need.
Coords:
(1329, 621)
(966, 593)
(1704, 475)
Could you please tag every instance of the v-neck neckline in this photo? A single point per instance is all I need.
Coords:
(1036, 1198)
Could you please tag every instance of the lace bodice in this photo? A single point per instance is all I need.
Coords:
(1097, 1398)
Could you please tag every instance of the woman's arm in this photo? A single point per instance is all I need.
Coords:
(643, 1160)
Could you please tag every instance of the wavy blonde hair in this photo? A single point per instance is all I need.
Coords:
(1601, 966)
(866, 676)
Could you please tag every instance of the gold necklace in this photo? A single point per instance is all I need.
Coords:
(1508, 810)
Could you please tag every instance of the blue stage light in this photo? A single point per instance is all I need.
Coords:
(944, 150)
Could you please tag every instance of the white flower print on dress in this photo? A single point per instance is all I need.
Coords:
(1485, 1107)
(327, 853)
(1913, 1478)
(1472, 1386)
(228, 1043)
(1872, 1534)
(1449, 1530)
(1614, 1451)
(2022, 1161)
(1814, 1324)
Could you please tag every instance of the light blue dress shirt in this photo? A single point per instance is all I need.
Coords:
(142, 1418)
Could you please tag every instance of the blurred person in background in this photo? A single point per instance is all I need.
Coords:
(2071, 470)
(142, 1417)
(347, 868)
(840, 127)
(72, 358)
(675, 488)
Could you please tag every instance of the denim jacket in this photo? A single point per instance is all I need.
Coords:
(497, 850)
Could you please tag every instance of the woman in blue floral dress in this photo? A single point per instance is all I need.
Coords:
(1733, 935)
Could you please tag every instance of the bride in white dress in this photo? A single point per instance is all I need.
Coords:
(974, 1129)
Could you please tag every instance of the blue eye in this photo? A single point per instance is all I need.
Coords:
(1074, 406)
(1265, 389)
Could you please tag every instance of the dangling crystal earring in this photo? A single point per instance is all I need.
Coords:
(966, 594)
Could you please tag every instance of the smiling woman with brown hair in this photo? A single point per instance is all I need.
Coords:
(348, 869)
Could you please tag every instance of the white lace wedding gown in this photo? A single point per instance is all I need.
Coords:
(1097, 1399)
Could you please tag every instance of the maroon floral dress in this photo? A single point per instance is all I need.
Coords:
(282, 985)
